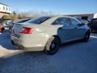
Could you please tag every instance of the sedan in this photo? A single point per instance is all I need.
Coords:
(93, 25)
(46, 33)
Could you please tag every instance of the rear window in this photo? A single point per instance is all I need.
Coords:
(39, 20)
(24, 20)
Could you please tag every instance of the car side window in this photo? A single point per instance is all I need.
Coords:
(74, 22)
(62, 21)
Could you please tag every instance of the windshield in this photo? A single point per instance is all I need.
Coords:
(39, 20)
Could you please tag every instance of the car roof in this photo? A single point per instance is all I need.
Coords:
(53, 18)
(49, 21)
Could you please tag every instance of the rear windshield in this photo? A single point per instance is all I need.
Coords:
(24, 20)
(39, 20)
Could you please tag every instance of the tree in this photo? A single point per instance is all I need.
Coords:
(6, 17)
(14, 16)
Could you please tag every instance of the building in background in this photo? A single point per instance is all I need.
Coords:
(87, 16)
(4, 9)
(95, 15)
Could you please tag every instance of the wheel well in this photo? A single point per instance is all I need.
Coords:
(2, 29)
(88, 31)
(57, 37)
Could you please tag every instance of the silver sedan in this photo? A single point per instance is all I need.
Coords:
(46, 33)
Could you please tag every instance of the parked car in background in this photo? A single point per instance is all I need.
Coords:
(6, 24)
(5, 20)
(1, 26)
(83, 21)
(93, 25)
(48, 32)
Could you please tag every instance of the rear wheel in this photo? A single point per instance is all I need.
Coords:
(52, 45)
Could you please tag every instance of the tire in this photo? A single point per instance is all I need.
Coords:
(52, 45)
(12, 42)
(87, 36)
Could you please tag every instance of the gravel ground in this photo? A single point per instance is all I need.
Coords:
(76, 57)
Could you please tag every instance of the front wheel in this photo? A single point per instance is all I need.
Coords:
(86, 37)
(52, 45)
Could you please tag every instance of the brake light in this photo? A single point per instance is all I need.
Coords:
(26, 30)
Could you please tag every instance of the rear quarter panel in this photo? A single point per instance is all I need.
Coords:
(41, 34)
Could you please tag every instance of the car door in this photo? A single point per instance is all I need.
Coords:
(77, 30)
(64, 32)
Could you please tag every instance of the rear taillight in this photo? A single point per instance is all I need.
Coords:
(26, 30)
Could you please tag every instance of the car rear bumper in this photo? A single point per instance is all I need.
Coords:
(23, 46)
